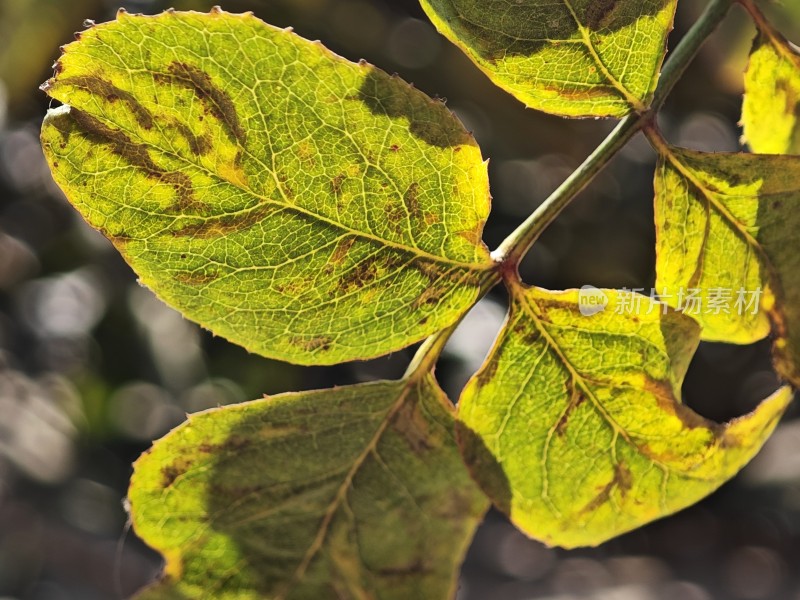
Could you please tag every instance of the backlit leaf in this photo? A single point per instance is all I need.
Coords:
(308, 208)
(566, 57)
(574, 425)
(771, 110)
(354, 492)
(726, 230)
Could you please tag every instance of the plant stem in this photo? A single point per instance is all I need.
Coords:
(517, 245)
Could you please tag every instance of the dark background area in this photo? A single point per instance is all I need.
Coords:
(93, 367)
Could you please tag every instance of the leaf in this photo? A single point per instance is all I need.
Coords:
(574, 425)
(771, 109)
(310, 209)
(576, 58)
(354, 492)
(726, 227)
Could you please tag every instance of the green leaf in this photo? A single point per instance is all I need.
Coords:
(771, 109)
(354, 492)
(576, 58)
(308, 208)
(574, 425)
(726, 228)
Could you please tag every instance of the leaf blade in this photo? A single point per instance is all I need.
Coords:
(574, 424)
(727, 222)
(564, 58)
(357, 490)
(772, 94)
(312, 210)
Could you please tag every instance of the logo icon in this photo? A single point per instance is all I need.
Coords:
(591, 300)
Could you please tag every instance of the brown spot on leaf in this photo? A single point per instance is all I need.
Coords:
(225, 225)
(169, 473)
(218, 101)
(485, 376)
(342, 250)
(576, 400)
(196, 278)
(100, 87)
(336, 184)
(622, 480)
(317, 343)
(662, 391)
(431, 218)
(599, 13)
(199, 145)
(410, 423)
(411, 200)
(360, 276)
(138, 156)
(429, 297)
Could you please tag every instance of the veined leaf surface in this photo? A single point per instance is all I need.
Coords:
(726, 227)
(574, 425)
(576, 58)
(308, 208)
(771, 109)
(354, 492)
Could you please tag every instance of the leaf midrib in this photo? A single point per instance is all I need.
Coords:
(634, 102)
(346, 485)
(529, 307)
(734, 223)
(286, 204)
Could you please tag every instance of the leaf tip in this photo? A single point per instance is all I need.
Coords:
(216, 10)
(88, 23)
(121, 12)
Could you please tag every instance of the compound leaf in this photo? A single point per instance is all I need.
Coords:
(354, 492)
(575, 58)
(308, 208)
(726, 230)
(771, 109)
(574, 425)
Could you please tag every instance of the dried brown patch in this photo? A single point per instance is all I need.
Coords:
(622, 480)
(314, 344)
(360, 276)
(218, 101)
(111, 93)
(576, 400)
(138, 156)
(599, 13)
(196, 279)
(342, 250)
(226, 225)
(411, 200)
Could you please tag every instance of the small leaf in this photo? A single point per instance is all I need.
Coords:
(726, 233)
(308, 208)
(576, 58)
(574, 425)
(354, 492)
(771, 109)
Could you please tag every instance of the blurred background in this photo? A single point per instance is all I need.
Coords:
(93, 367)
